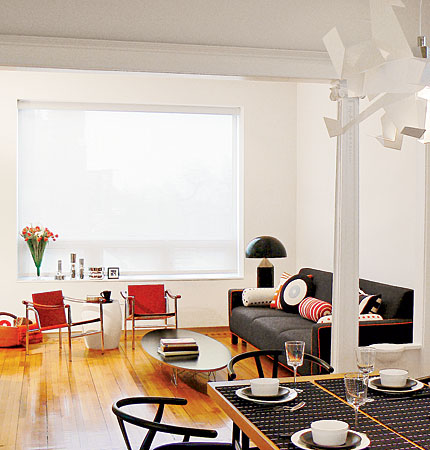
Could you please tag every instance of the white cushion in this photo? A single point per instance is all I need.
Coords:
(258, 296)
(361, 318)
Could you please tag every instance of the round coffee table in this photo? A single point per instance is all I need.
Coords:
(212, 356)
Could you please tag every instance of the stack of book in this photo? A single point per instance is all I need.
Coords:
(178, 347)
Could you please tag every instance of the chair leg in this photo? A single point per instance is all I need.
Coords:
(125, 330)
(133, 331)
(236, 436)
(27, 340)
(27, 337)
(70, 343)
(102, 331)
(60, 339)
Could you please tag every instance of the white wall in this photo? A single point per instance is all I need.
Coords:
(316, 164)
(269, 112)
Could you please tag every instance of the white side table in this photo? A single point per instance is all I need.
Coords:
(112, 324)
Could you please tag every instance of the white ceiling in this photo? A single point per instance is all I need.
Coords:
(274, 24)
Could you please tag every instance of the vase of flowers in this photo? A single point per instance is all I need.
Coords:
(37, 238)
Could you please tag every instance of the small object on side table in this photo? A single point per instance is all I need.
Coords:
(60, 274)
(113, 273)
(81, 268)
(72, 266)
(96, 273)
(94, 298)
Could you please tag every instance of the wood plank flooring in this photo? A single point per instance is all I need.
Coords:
(48, 403)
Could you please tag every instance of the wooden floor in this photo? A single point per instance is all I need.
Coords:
(48, 403)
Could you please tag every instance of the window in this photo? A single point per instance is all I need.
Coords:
(151, 190)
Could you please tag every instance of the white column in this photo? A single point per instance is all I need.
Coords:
(421, 332)
(344, 337)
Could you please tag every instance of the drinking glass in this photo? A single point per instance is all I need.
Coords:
(355, 391)
(295, 351)
(365, 357)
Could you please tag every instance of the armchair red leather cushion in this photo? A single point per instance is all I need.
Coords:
(54, 317)
(148, 298)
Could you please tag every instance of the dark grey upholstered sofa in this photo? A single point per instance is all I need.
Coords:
(267, 328)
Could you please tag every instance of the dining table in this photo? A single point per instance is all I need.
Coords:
(388, 421)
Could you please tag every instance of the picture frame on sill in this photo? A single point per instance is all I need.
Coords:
(113, 273)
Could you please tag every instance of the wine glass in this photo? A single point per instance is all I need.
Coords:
(365, 357)
(295, 351)
(356, 391)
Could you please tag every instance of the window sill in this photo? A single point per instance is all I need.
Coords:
(133, 278)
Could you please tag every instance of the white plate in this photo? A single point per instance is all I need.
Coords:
(282, 391)
(292, 394)
(295, 439)
(417, 387)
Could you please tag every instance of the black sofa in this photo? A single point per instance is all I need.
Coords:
(268, 328)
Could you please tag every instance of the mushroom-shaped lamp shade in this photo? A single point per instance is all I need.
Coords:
(265, 247)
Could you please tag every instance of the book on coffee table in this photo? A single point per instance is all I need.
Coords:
(171, 353)
(178, 341)
(178, 345)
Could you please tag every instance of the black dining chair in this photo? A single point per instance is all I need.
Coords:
(239, 438)
(155, 425)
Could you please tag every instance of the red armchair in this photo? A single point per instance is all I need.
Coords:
(148, 302)
(52, 313)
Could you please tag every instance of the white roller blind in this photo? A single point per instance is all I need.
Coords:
(153, 191)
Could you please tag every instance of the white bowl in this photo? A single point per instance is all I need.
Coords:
(393, 377)
(265, 387)
(329, 432)
(388, 353)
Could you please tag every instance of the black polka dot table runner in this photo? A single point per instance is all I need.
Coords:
(409, 416)
(279, 424)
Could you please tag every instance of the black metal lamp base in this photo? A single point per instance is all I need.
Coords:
(265, 274)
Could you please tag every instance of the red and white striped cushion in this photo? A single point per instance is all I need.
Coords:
(276, 302)
(313, 309)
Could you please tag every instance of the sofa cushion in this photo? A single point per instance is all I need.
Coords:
(295, 290)
(361, 318)
(313, 309)
(369, 304)
(266, 331)
(257, 296)
(242, 318)
(276, 302)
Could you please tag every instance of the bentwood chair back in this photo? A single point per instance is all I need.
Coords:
(156, 425)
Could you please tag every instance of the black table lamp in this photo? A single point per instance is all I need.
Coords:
(265, 247)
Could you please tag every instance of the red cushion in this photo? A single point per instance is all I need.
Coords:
(313, 309)
(149, 298)
(50, 317)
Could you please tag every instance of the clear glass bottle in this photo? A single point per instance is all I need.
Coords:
(72, 266)
(59, 275)
(81, 268)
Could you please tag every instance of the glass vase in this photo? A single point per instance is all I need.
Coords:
(37, 249)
